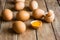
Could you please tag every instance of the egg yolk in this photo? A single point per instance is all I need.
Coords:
(36, 23)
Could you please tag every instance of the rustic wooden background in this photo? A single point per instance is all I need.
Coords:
(49, 31)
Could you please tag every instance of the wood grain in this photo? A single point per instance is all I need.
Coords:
(45, 32)
(52, 4)
(2, 4)
(49, 31)
(30, 33)
(6, 27)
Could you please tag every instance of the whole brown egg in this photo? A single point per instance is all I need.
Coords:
(19, 5)
(23, 15)
(19, 27)
(38, 13)
(33, 5)
(7, 14)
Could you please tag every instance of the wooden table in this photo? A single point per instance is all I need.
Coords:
(49, 31)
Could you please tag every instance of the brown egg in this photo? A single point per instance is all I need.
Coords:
(36, 24)
(19, 0)
(50, 16)
(38, 14)
(7, 14)
(50, 13)
(33, 5)
(23, 15)
(19, 5)
(19, 27)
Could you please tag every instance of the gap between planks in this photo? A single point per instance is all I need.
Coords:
(30, 34)
(51, 23)
(58, 2)
(43, 32)
(36, 31)
(3, 3)
(5, 28)
(52, 4)
(2, 6)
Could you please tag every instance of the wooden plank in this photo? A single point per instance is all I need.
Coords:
(52, 4)
(29, 34)
(2, 4)
(7, 33)
(45, 32)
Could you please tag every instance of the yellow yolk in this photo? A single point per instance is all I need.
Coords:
(36, 24)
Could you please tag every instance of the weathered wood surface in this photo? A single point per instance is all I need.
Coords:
(28, 35)
(49, 31)
(45, 32)
(6, 31)
(2, 4)
(52, 4)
